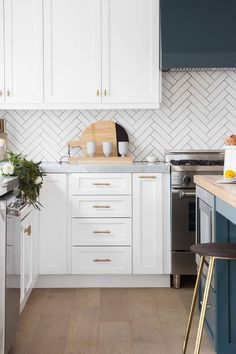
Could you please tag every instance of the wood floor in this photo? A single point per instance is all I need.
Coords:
(105, 321)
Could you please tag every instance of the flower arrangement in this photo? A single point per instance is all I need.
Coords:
(29, 175)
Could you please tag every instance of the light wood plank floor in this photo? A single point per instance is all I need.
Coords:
(106, 321)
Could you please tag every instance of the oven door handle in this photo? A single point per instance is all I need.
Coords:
(187, 194)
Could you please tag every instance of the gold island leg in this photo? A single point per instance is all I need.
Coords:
(194, 299)
(204, 306)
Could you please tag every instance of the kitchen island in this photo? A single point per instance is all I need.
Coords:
(221, 313)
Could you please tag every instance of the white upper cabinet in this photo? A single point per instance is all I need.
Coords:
(1, 54)
(72, 51)
(130, 52)
(23, 51)
(148, 224)
(75, 54)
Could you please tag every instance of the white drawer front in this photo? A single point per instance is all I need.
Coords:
(101, 260)
(100, 232)
(105, 206)
(100, 183)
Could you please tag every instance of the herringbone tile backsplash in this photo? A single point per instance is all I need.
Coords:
(197, 112)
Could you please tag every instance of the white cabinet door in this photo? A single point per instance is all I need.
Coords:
(130, 47)
(100, 183)
(147, 224)
(72, 51)
(53, 225)
(101, 260)
(1, 54)
(23, 51)
(27, 256)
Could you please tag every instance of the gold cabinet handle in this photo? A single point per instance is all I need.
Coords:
(8, 93)
(102, 232)
(1, 93)
(101, 184)
(28, 230)
(105, 260)
(101, 206)
(147, 177)
(105, 93)
(209, 307)
(98, 92)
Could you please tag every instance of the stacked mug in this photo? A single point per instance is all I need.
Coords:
(107, 148)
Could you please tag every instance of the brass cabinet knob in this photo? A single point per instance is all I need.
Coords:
(8, 93)
(28, 230)
(0, 93)
(98, 92)
(105, 93)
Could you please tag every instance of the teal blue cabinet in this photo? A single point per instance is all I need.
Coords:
(220, 223)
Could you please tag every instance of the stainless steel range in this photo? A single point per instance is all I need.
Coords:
(184, 165)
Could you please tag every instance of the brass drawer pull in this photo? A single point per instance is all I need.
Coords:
(28, 230)
(1, 93)
(101, 206)
(102, 232)
(209, 307)
(147, 177)
(98, 92)
(97, 260)
(105, 93)
(101, 184)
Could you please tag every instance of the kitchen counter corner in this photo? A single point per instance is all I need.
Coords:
(225, 192)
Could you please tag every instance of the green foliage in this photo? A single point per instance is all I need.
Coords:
(30, 177)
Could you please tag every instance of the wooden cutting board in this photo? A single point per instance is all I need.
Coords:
(101, 132)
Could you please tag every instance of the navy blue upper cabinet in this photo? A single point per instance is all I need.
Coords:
(198, 34)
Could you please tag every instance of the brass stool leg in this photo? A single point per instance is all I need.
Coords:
(204, 306)
(194, 299)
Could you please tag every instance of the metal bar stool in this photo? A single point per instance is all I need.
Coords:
(214, 251)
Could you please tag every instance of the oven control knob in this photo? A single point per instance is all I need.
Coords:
(187, 179)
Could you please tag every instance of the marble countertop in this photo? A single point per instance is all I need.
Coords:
(55, 167)
(226, 192)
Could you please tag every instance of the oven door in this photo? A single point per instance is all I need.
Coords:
(183, 219)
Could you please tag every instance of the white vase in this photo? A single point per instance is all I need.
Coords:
(107, 148)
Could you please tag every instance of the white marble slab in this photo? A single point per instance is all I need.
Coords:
(55, 167)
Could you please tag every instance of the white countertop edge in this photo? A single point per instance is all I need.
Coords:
(55, 167)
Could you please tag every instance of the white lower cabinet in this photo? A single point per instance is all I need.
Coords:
(53, 227)
(85, 232)
(101, 260)
(147, 223)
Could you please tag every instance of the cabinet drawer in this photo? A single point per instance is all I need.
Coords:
(105, 206)
(101, 260)
(99, 232)
(100, 183)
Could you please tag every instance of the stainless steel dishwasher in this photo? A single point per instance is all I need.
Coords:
(9, 263)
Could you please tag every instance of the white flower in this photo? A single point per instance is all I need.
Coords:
(8, 169)
(38, 180)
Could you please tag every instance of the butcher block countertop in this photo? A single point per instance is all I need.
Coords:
(226, 192)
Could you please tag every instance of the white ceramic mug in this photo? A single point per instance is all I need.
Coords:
(107, 148)
(91, 148)
(123, 147)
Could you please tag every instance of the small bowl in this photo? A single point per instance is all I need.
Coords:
(151, 159)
